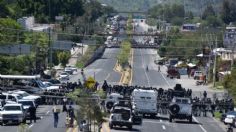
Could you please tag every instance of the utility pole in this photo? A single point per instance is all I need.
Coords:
(50, 48)
(214, 68)
(232, 54)
(209, 56)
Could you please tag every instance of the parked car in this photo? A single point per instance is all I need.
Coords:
(54, 81)
(64, 76)
(27, 96)
(173, 73)
(12, 113)
(197, 75)
(223, 116)
(10, 97)
(68, 70)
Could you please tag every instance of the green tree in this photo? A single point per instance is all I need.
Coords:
(213, 21)
(9, 29)
(89, 108)
(209, 11)
(63, 58)
(228, 11)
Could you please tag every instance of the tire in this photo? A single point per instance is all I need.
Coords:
(24, 121)
(174, 109)
(190, 119)
(111, 126)
(130, 127)
(170, 118)
(153, 115)
(109, 105)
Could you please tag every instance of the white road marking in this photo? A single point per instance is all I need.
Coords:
(160, 120)
(107, 76)
(165, 80)
(31, 125)
(47, 112)
(203, 129)
(163, 127)
(145, 70)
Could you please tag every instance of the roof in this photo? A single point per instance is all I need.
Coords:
(121, 107)
(231, 27)
(25, 100)
(190, 25)
(225, 72)
(19, 76)
(144, 90)
(13, 104)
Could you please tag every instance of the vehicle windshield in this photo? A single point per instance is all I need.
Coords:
(12, 108)
(26, 103)
(19, 97)
(25, 94)
(40, 83)
(120, 111)
(63, 73)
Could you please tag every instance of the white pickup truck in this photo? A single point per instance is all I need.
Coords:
(12, 113)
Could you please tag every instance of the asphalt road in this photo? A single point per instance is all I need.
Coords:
(44, 122)
(143, 58)
(102, 69)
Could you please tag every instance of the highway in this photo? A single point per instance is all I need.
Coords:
(102, 69)
(44, 122)
(143, 58)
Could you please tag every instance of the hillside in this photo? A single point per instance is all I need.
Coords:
(143, 5)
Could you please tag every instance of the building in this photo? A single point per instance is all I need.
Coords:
(225, 54)
(230, 37)
(28, 23)
(189, 27)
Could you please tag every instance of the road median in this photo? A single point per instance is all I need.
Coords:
(125, 71)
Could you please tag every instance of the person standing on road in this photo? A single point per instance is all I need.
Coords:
(205, 94)
(32, 112)
(71, 115)
(64, 108)
(159, 68)
(55, 116)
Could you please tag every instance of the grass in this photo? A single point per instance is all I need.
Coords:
(217, 115)
(88, 54)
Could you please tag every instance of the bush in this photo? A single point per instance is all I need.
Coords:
(63, 57)
(123, 56)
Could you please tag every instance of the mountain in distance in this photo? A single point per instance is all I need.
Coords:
(196, 6)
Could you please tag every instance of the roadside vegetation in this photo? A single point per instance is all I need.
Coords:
(129, 29)
(123, 56)
(80, 17)
(229, 83)
(89, 108)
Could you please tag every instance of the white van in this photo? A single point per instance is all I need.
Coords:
(144, 101)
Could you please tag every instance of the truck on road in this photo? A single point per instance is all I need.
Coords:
(144, 102)
(12, 113)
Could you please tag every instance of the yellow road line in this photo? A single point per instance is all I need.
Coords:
(106, 127)
(131, 69)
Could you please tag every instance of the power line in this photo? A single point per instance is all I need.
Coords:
(101, 36)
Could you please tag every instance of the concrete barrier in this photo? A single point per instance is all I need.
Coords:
(97, 54)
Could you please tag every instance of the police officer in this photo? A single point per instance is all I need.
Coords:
(71, 115)
(205, 94)
(32, 111)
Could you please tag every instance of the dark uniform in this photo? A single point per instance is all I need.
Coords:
(32, 111)
(71, 115)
